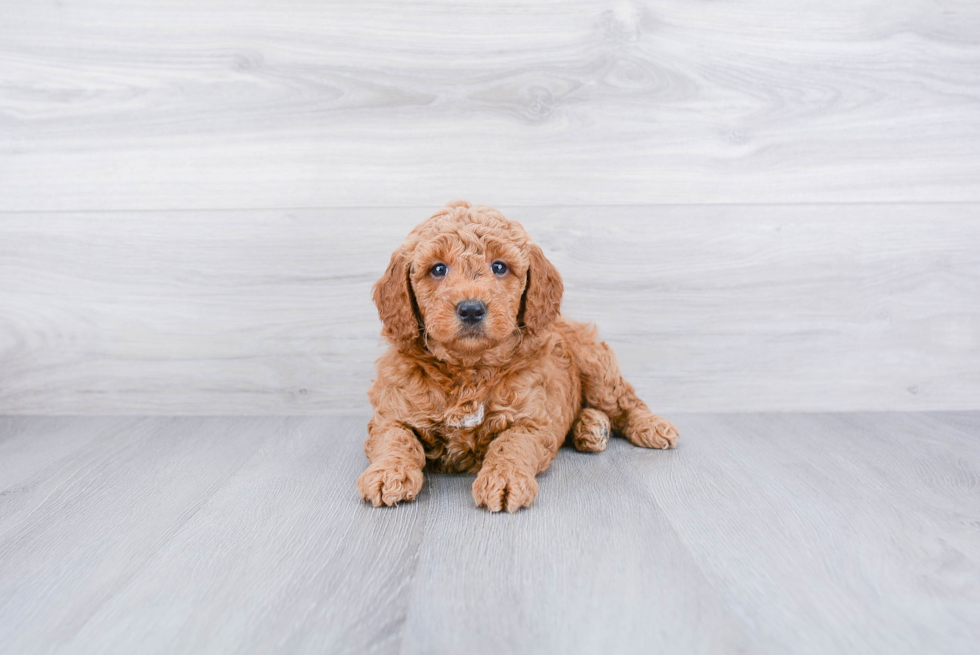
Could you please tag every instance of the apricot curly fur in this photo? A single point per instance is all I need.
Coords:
(497, 399)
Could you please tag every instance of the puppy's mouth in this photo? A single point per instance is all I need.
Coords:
(471, 332)
(470, 338)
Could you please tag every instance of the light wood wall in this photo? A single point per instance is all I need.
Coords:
(762, 206)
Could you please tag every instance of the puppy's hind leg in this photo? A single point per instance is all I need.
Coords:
(604, 388)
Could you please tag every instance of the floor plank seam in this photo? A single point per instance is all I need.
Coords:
(155, 551)
(745, 622)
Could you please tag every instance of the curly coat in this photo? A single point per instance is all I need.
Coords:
(497, 398)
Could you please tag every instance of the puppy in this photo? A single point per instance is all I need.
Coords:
(483, 374)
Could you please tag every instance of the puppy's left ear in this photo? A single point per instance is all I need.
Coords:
(394, 299)
(542, 296)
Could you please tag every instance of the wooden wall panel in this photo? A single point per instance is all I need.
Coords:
(709, 307)
(243, 104)
(763, 206)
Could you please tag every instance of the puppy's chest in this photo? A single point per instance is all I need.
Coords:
(456, 438)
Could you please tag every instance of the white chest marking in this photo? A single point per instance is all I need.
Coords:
(471, 420)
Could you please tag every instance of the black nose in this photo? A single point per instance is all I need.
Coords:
(471, 312)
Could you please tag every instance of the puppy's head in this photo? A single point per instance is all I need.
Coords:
(467, 278)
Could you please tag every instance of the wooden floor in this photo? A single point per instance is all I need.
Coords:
(781, 533)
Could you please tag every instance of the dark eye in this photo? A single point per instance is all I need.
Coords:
(498, 268)
(439, 270)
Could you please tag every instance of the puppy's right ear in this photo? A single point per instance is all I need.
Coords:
(393, 297)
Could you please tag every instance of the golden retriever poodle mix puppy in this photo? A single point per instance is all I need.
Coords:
(483, 374)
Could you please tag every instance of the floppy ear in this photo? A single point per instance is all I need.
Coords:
(394, 299)
(542, 297)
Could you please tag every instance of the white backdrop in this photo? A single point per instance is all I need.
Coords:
(762, 207)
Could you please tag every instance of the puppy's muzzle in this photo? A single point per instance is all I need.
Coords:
(471, 312)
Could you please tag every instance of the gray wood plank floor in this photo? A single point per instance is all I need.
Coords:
(781, 533)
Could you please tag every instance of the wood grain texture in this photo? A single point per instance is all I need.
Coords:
(31, 444)
(95, 517)
(712, 308)
(594, 568)
(781, 533)
(283, 558)
(244, 104)
(833, 532)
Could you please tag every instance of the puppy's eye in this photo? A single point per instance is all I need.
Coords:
(439, 270)
(498, 268)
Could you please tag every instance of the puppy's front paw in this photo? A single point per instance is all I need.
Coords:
(650, 431)
(389, 483)
(504, 487)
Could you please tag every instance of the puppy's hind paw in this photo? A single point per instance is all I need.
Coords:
(650, 431)
(590, 432)
(387, 483)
